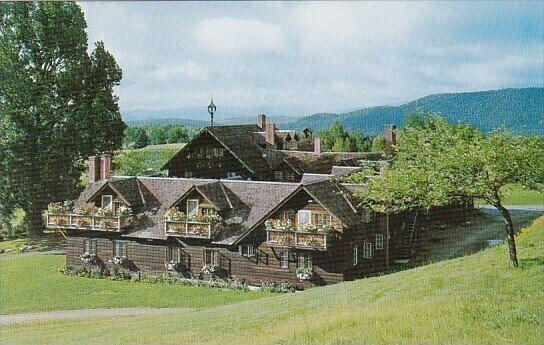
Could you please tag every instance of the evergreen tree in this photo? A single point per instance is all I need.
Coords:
(142, 139)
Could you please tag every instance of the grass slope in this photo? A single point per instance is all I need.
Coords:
(517, 195)
(473, 299)
(32, 283)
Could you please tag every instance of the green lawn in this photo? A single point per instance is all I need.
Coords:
(473, 299)
(33, 283)
(149, 159)
(515, 195)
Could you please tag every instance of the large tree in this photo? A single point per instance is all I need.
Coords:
(56, 102)
(439, 164)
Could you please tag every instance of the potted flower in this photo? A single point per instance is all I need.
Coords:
(172, 266)
(173, 214)
(308, 228)
(304, 274)
(327, 228)
(124, 211)
(209, 270)
(117, 260)
(88, 258)
(85, 209)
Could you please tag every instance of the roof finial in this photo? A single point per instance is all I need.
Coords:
(211, 109)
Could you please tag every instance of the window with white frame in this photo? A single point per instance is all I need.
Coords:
(355, 255)
(211, 257)
(89, 246)
(305, 261)
(248, 250)
(284, 259)
(304, 217)
(120, 248)
(321, 218)
(173, 254)
(288, 215)
(107, 202)
(278, 175)
(367, 250)
(379, 241)
(192, 206)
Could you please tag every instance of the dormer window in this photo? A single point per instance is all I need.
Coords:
(107, 202)
(192, 206)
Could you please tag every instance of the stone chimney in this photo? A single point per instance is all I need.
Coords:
(94, 169)
(105, 167)
(261, 121)
(270, 135)
(317, 146)
(390, 138)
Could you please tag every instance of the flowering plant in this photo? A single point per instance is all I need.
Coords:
(327, 228)
(60, 208)
(124, 211)
(278, 224)
(308, 228)
(172, 266)
(209, 269)
(174, 214)
(105, 212)
(304, 273)
(88, 258)
(85, 209)
(117, 260)
(204, 218)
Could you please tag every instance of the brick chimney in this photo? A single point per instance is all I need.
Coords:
(317, 146)
(261, 121)
(105, 167)
(94, 169)
(270, 135)
(390, 138)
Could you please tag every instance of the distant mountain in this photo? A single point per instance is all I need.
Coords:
(520, 110)
(166, 122)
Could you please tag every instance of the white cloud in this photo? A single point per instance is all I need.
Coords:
(190, 70)
(228, 35)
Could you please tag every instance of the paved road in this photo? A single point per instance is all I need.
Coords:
(86, 313)
(536, 208)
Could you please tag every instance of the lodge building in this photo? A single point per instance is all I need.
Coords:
(242, 201)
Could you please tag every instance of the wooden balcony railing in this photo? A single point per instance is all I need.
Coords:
(88, 222)
(188, 228)
(297, 239)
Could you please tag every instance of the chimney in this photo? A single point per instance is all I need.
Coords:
(270, 135)
(94, 169)
(261, 121)
(105, 167)
(390, 138)
(317, 146)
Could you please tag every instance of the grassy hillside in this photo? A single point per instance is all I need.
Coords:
(520, 110)
(149, 159)
(473, 299)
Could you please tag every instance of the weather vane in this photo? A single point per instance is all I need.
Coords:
(211, 109)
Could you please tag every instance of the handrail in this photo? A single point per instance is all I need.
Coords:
(89, 222)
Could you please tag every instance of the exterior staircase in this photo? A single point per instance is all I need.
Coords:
(406, 241)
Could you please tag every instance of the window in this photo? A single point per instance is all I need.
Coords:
(211, 257)
(231, 174)
(107, 202)
(288, 215)
(379, 241)
(367, 250)
(284, 259)
(208, 211)
(217, 152)
(173, 254)
(192, 206)
(188, 174)
(248, 250)
(367, 216)
(322, 218)
(120, 248)
(305, 261)
(278, 175)
(303, 217)
(89, 246)
(355, 255)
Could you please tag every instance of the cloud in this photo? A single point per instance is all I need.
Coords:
(231, 35)
(190, 70)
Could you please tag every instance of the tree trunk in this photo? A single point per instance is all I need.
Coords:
(509, 233)
(34, 222)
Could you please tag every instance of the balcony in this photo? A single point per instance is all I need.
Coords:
(188, 228)
(87, 222)
(297, 239)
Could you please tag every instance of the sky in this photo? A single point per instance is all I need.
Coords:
(309, 57)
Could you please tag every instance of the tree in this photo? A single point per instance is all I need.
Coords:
(336, 139)
(57, 105)
(177, 134)
(142, 139)
(378, 144)
(442, 164)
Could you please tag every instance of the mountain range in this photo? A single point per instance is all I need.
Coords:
(520, 110)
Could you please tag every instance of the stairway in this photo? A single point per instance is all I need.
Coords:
(406, 241)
